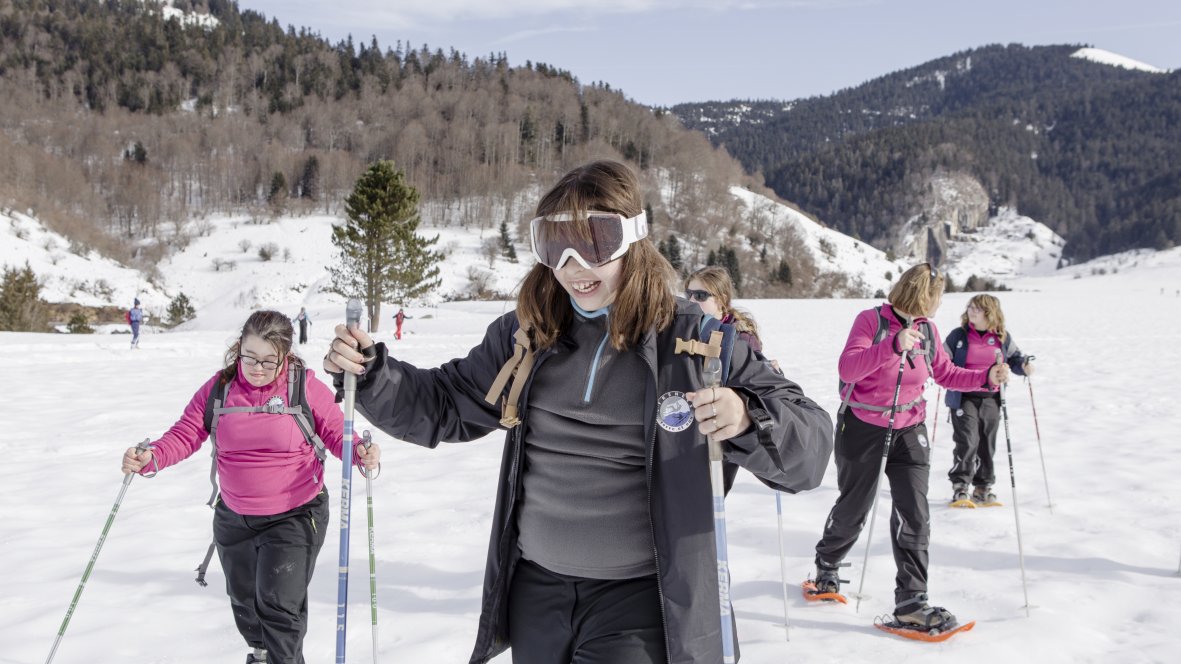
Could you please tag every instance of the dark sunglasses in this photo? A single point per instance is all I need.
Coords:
(695, 295)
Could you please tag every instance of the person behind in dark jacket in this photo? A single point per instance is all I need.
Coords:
(976, 415)
(869, 373)
(602, 544)
(713, 290)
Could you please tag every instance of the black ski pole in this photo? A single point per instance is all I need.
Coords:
(881, 469)
(1013, 482)
(61, 632)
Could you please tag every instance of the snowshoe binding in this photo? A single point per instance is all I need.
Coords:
(960, 497)
(259, 656)
(984, 497)
(826, 586)
(917, 620)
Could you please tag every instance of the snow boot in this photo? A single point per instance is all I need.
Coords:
(915, 613)
(959, 496)
(828, 579)
(259, 656)
(983, 495)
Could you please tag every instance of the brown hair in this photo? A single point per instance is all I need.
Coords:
(716, 280)
(644, 299)
(917, 290)
(270, 326)
(991, 307)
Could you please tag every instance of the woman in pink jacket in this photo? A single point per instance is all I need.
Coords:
(869, 372)
(271, 517)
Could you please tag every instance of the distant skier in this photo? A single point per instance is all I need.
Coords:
(304, 321)
(398, 318)
(135, 317)
(271, 516)
(976, 415)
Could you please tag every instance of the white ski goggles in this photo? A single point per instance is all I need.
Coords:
(604, 237)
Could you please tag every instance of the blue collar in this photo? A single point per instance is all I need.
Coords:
(589, 314)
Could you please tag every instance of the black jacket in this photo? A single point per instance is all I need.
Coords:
(788, 449)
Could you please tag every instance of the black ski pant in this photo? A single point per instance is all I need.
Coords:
(858, 453)
(559, 619)
(303, 332)
(973, 428)
(268, 563)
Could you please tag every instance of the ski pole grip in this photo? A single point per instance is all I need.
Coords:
(367, 442)
(145, 446)
(352, 313)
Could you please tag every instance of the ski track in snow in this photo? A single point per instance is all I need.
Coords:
(1101, 569)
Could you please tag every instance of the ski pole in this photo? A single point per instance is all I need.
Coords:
(1038, 431)
(712, 375)
(1013, 482)
(94, 556)
(782, 563)
(367, 439)
(352, 320)
(935, 420)
(881, 469)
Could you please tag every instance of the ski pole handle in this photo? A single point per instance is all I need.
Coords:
(367, 442)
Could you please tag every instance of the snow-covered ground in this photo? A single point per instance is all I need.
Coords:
(1115, 60)
(1101, 569)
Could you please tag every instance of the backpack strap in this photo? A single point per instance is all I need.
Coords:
(518, 367)
(847, 388)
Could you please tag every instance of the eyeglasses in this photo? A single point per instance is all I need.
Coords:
(697, 295)
(249, 361)
(605, 237)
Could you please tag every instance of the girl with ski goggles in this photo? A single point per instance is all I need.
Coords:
(593, 240)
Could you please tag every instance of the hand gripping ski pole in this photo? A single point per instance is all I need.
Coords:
(1038, 431)
(1000, 358)
(94, 556)
(712, 375)
(367, 440)
(352, 320)
(881, 469)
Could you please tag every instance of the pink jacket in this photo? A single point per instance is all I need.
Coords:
(264, 465)
(874, 369)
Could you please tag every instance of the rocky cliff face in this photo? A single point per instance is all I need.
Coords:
(952, 203)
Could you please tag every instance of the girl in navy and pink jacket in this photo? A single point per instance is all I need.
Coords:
(976, 413)
(271, 517)
(869, 372)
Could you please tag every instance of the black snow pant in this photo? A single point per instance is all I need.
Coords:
(559, 619)
(268, 563)
(303, 331)
(858, 453)
(974, 427)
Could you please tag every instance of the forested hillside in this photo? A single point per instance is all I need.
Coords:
(120, 123)
(1087, 148)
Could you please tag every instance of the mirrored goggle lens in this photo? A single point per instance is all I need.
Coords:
(595, 242)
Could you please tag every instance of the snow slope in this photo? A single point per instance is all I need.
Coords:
(1115, 60)
(1101, 569)
(1009, 246)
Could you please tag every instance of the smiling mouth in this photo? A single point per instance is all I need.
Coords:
(584, 287)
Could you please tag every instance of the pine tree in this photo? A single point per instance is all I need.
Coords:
(674, 253)
(506, 243)
(783, 274)
(381, 256)
(21, 306)
(180, 309)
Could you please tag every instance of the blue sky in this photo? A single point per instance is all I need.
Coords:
(663, 52)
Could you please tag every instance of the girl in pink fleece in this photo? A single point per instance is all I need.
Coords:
(271, 517)
(882, 339)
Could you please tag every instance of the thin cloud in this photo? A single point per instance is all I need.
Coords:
(529, 34)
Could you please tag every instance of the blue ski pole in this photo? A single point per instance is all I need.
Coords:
(712, 374)
(352, 320)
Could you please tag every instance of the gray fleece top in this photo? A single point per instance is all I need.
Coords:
(584, 511)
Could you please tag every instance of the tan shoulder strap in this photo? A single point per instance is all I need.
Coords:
(697, 347)
(519, 366)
